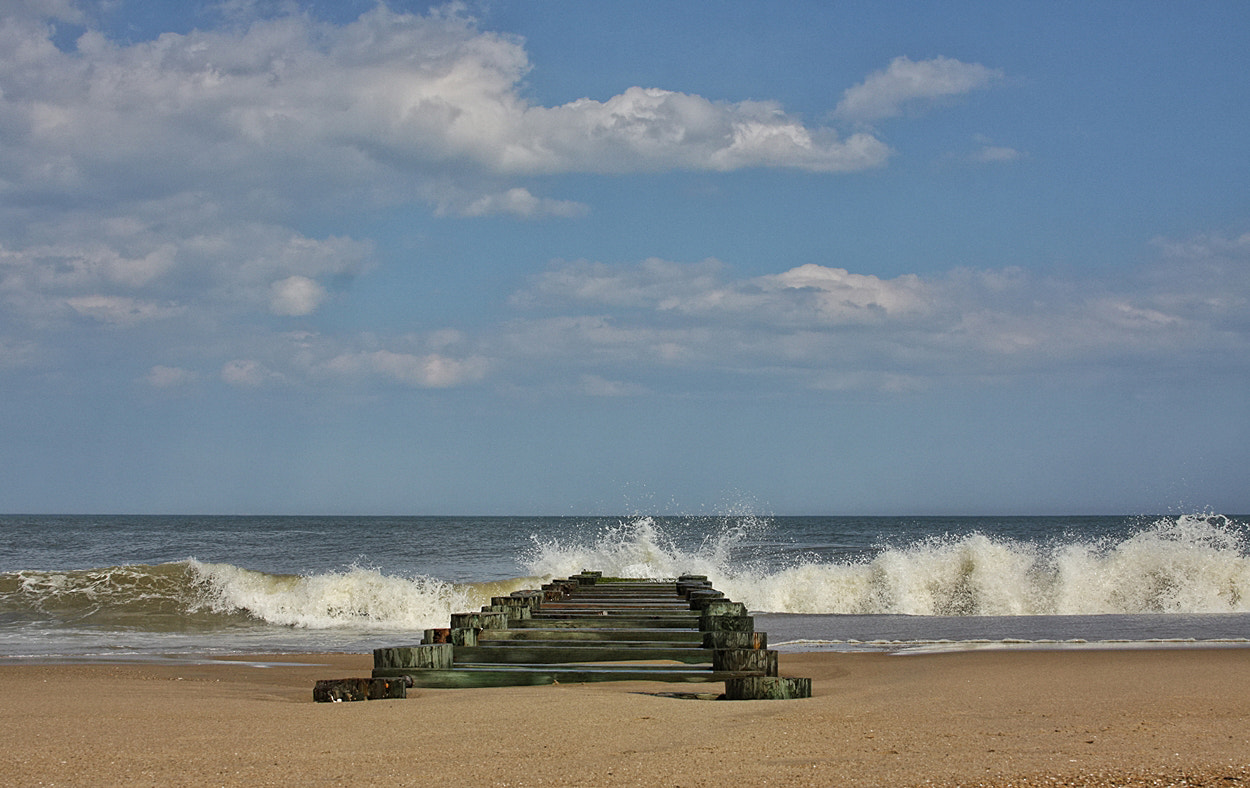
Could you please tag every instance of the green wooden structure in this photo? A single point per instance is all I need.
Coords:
(588, 628)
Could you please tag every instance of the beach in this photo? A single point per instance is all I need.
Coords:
(1128, 716)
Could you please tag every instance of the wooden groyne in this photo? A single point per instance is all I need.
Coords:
(581, 629)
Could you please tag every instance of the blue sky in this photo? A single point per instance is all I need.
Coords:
(576, 258)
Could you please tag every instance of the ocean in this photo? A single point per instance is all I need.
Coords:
(90, 588)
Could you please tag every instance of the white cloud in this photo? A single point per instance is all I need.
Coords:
(652, 129)
(296, 296)
(248, 373)
(290, 108)
(520, 202)
(121, 310)
(990, 154)
(433, 370)
(833, 329)
(908, 83)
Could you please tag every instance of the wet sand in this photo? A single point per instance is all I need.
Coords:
(1070, 717)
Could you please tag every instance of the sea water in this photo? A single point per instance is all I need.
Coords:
(106, 587)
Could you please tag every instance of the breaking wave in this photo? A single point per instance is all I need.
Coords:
(1187, 564)
(190, 595)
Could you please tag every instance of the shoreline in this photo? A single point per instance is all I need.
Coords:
(982, 717)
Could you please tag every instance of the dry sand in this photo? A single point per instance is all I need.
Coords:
(1074, 717)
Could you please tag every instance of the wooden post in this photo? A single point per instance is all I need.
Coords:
(488, 620)
(723, 607)
(759, 661)
(700, 597)
(727, 623)
(456, 637)
(514, 612)
(735, 640)
(767, 688)
(532, 599)
(685, 587)
(339, 690)
(433, 656)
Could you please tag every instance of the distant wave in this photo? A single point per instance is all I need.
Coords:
(190, 595)
(1187, 564)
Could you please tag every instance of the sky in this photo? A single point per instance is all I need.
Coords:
(564, 258)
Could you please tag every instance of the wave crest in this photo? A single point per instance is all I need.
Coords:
(1188, 564)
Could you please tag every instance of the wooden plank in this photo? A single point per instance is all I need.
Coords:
(672, 635)
(606, 622)
(562, 653)
(517, 676)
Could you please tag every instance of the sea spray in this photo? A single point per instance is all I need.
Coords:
(1187, 564)
(190, 595)
(356, 597)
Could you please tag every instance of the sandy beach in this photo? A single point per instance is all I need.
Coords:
(1071, 717)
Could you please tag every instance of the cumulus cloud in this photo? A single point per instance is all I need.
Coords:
(248, 373)
(908, 83)
(433, 370)
(520, 202)
(120, 310)
(295, 296)
(289, 106)
(833, 329)
(996, 153)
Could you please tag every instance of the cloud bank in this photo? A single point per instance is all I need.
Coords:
(167, 188)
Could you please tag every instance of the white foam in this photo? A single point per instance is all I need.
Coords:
(354, 598)
(1189, 564)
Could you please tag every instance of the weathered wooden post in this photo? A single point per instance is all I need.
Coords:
(727, 623)
(532, 599)
(723, 607)
(767, 688)
(456, 637)
(339, 690)
(517, 608)
(688, 583)
(730, 639)
(762, 662)
(401, 660)
(484, 620)
(700, 597)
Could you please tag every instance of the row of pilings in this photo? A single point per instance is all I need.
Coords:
(586, 628)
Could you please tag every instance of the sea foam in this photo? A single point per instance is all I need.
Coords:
(1187, 564)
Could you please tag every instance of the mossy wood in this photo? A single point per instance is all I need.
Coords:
(727, 623)
(513, 633)
(563, 653)
(340, 690)
(760, 662)
(589, 628)
(483, 620)
(570, 621)
(429, 656)
(715, 640)
(767, 688)
(456, 637)
(526, 675)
